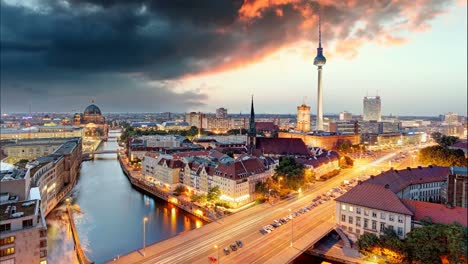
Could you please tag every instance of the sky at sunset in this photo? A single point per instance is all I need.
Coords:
(153, 56)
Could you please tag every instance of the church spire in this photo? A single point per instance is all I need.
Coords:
(252, 129)
(252, 132)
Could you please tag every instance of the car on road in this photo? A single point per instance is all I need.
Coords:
(233, 247)
(212, 259)
(264, 231)
(239, 243)
(226, 251)
(276, 225)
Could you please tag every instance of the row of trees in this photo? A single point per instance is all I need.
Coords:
(211, 197)
(429, 243)
(441, 154)
(443, 140)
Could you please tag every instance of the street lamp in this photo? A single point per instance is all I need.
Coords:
(145, 219)
(279, 180)
(292, 229)
(217, 249)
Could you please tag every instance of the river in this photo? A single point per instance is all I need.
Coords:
(109, 214)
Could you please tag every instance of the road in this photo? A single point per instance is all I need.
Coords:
(197, 245)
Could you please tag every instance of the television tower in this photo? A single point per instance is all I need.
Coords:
(319, 61)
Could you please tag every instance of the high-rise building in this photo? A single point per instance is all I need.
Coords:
(319, 61)
(221, 112)
(451, 118)
(303, 118)
(346, 116)
(372, 108)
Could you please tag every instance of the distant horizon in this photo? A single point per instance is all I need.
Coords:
(229, 114)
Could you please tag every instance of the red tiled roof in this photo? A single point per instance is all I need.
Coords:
(439, 213)
(241, 168)
(282, 146)
(266, 126)
(374, 196)
(400, 179)
(460, 145)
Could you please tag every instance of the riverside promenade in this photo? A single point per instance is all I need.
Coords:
(138, 182)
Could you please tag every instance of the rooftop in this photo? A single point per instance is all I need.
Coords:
(7, 174)
(463, 171)
(14, 210)
(374, 196)
(439, 213)
(400, 179)
(282, 146)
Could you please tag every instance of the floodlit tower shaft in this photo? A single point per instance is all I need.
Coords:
(319, 61)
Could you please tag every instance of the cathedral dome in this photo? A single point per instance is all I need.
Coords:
(92, 110)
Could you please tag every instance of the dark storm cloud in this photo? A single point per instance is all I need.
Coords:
(67, 47)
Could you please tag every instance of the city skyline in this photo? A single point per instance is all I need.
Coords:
(48, 75)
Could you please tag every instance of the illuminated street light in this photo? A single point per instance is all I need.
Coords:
(217, 249)
(145, 219)
(292, 228)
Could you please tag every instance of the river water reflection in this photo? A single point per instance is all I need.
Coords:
(109, 212)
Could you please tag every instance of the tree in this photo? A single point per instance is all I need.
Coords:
(22, 163)
(443, 140)
(441, 156)
(292, 173)
(367, 242)
(179, 190)
(200, 198)
(213, 194)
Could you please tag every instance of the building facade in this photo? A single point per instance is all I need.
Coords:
(455, 191)
(372, 109)
(23, 233)
(345, 116)
(303, 118)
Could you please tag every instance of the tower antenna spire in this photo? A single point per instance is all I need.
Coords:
(320, 26)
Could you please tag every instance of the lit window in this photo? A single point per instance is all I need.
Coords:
(351, 208)
(343, 207)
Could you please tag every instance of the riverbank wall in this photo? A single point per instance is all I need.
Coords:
(82, 258)
(140, 184)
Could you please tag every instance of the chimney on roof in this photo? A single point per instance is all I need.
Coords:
(359, 182)
(419, 167)
(387, 186)
(430, 166)
(408, 168)
(396, 171)
(372, 177)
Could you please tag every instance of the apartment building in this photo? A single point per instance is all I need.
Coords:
(23, 233)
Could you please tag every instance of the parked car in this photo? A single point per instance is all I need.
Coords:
(212, 259)
(233, 247)
(239, 243)
(226, 251)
